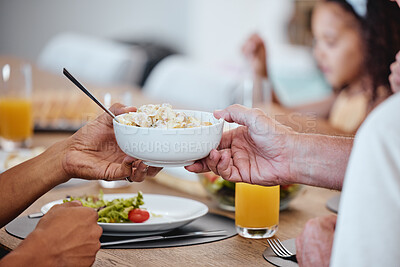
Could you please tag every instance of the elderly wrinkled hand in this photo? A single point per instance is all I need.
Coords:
(394, 77)
(258, 152)
(314, 245)
(93, 153)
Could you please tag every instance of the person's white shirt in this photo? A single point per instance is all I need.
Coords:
(368, 226)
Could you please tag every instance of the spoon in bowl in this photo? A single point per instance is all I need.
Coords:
(80, 86)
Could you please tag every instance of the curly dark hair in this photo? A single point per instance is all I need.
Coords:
(381, 33)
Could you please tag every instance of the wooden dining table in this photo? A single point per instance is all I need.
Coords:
(234, 251)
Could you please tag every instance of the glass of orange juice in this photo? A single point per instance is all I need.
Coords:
(256, 210)
(16, 125)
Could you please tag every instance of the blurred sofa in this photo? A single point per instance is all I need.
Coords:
(182, 81)
(96, 60)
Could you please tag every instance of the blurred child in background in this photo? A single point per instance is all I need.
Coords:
(394, 77)
(354, 49)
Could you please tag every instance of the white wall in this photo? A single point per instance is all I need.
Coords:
(26, 25)
(219, 27)
(209, 30)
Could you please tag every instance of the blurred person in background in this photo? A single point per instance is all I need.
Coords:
(395, 75)
(68, 235)
(268, 153)
(353, 52)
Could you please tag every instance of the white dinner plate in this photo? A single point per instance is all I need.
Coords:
(171, 212)
(10, 159)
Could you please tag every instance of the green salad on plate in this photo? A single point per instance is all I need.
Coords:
(117, 210)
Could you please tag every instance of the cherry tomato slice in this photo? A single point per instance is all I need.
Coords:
(138, 215)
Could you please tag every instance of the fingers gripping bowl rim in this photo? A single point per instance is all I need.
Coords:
(162, 147)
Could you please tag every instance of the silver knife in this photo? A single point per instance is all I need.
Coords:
(35, 215)
(160, 237)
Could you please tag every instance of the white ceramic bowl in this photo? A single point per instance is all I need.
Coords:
(170, 147)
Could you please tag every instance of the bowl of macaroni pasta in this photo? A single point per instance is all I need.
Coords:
(166, 137)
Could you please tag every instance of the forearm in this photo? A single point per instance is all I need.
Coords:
(320, 160)
(19, 258)
(31, 252)
(262, 90)
(21, 185)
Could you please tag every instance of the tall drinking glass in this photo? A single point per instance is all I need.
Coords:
(16, 123)
(256, 210)
(256, 207)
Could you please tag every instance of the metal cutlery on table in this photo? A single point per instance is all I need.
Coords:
(86, 91)
(35, 215)
(280, 250)
(149, 238)
(160, 237)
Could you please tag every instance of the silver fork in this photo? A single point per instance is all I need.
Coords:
(279, 249)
